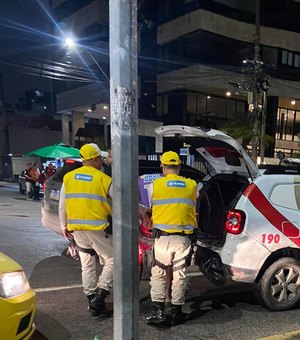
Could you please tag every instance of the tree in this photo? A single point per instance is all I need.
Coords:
(241, 129)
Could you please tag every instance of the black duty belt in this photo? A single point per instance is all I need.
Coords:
(157, 233)
(90, 251)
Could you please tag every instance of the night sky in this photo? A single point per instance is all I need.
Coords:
(21, 24)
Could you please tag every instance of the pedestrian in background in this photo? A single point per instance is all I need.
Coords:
(107, 163)
(35, 174)
(84, 210)
(47, 173)
(28, 180)
(174, 219)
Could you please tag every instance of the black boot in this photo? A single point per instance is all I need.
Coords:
(158, 314)
(90, 298)
(97, 302)
(177, 316)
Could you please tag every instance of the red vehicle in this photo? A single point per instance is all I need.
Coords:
(145, 240)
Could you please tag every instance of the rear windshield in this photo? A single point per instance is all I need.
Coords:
(59, 175)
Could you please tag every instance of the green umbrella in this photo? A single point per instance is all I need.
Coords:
(60, 150)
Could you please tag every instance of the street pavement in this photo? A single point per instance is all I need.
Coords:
(230, 312)
(9, 184)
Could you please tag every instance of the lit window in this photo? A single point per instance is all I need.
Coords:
(297, 60)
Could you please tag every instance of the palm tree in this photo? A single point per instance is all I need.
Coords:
(241, 129)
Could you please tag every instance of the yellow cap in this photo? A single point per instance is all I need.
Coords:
(90, 151)
(170, 158)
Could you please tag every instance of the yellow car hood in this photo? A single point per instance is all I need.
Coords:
(8, 265)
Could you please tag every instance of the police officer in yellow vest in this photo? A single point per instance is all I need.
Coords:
(174, 219)
(85, 204)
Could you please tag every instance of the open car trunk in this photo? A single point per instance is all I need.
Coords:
(229, 170)
(219, 194)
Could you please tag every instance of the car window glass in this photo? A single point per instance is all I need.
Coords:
(286, 195)
(232, 159)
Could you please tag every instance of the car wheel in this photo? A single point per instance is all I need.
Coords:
(21, 190)
(279, 287)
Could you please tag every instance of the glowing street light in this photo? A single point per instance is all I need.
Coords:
(70, 43)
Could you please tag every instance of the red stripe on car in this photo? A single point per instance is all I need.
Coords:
(279, 221)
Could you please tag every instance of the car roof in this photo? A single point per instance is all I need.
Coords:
(145, 167)
(272, 169)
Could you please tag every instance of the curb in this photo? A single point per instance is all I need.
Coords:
(284, 336)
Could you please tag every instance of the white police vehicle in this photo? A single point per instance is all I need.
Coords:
(248, 222)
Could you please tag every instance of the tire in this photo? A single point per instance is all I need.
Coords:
(279, 287)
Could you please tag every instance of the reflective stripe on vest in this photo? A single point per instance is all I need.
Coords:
(88, 222)
(179, 227)
(174, 201)
(90, 196)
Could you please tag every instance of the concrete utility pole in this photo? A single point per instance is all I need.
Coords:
(124, 122)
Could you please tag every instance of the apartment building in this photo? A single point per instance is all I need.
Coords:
(207, 41)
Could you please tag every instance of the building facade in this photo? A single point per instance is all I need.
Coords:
(191, 57)
(203, 44)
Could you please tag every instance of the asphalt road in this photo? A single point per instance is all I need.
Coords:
(224, 313)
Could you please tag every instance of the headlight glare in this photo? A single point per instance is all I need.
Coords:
(13, 284)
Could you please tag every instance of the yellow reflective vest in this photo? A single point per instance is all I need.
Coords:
(87, 202)
(174, 204)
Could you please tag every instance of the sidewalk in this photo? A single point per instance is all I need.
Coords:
(9, 184)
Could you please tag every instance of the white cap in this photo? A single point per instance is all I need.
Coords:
(90, 151)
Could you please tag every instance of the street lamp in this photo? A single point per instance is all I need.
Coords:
(69, 43)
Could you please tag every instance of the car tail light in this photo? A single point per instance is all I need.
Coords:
(235, 221)
(69, 161)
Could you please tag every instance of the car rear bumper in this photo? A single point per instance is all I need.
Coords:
(50, 220)
(212, 267)
(241, 274)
